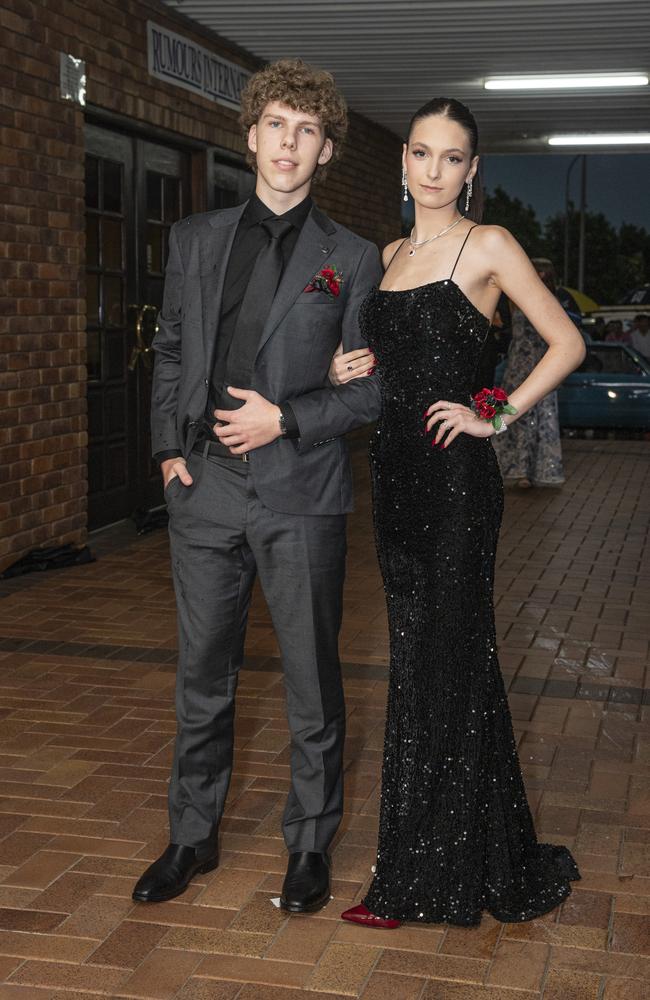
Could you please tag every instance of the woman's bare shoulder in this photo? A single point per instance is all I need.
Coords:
(494, 238)
(496, 249)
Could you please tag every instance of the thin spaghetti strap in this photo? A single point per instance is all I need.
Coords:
(460, 252)
(395, 254)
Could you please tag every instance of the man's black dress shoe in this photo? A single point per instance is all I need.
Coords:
(307, 884)
(171, 874)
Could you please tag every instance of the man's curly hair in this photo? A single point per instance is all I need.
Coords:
(303, 88)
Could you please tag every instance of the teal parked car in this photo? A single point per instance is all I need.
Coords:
(611, 388)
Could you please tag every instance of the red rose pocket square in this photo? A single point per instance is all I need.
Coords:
(327, 280)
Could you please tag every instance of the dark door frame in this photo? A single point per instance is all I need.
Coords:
(122, 476)
(212, 178)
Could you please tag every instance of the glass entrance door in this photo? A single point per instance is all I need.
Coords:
(135, 190)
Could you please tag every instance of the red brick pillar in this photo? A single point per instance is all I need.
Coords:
(42, 308)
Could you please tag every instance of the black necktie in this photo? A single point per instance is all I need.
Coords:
(256, 304)
(269, 263)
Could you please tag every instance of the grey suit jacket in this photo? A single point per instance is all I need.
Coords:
(311, 474)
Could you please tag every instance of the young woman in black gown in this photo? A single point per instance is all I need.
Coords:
(456, 835)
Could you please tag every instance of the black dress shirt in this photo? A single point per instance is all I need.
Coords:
(249, 239)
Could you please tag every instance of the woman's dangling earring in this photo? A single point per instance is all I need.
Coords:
(405, 185)
(469, 194)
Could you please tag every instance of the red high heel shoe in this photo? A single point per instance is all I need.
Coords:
(361, 915)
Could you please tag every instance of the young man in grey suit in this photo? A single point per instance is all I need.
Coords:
(249, 434)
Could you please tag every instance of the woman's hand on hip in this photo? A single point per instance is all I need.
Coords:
(448, 420)
(354, 364)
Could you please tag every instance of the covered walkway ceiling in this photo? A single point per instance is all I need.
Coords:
(390, 56)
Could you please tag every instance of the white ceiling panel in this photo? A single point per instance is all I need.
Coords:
(390, 56)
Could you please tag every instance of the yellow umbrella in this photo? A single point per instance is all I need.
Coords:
(584, 303)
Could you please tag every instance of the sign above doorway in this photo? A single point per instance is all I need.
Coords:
(72, 78)
(181, 61)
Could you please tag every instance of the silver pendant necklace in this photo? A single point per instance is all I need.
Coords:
(415, 245)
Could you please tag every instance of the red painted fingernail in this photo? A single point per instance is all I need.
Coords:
(371, 371)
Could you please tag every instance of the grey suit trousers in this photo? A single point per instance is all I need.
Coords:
(221, 536)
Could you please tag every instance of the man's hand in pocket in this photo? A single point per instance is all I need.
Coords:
(173, 467)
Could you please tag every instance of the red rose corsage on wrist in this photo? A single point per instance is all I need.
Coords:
(491, 404)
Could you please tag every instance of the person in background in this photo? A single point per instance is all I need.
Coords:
(615, 332)
(531, 454)
(495, 347)
(640, 334)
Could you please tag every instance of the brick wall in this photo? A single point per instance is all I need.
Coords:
(42, 406)
(363, 190)
(42, 308)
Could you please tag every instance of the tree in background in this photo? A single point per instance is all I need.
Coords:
(615, 260)
(635, 246)
(612, 266)
(519, 219)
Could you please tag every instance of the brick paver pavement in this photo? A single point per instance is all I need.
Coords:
(86, 738)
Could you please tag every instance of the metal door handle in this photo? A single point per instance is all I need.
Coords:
(141, 349)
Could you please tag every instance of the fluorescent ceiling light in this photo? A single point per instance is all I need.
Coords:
(566, 82)
(613, 139)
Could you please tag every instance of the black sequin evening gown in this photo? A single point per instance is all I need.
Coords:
(456, 836)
